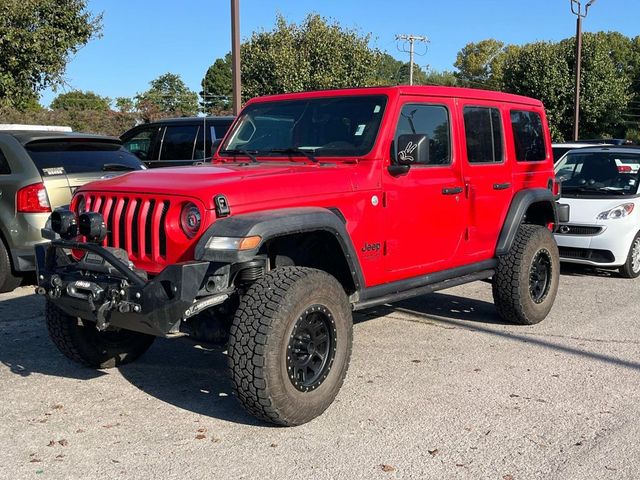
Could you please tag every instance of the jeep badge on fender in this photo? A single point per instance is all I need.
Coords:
(315, 205)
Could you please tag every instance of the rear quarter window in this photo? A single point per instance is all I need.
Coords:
(528, 136)
(4, 165)
(82, 156)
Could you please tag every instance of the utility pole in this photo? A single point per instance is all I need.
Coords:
(411, 39)
(580, 13)
(235, 55)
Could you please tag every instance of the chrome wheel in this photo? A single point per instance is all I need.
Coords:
(635, 256)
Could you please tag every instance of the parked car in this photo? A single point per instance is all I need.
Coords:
(176, 141)
(316, 204)
(39, 170)
(604, 224)
(560, 149)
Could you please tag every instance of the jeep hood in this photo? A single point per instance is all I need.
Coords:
(263, 183)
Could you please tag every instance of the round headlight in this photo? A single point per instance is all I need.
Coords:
(190, 219)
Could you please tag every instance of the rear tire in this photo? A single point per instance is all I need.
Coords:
(290, 345)
(631, 268)
(526, 280)
(8, 281)
(80, 340)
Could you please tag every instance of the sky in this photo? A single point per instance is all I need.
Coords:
(142, 39)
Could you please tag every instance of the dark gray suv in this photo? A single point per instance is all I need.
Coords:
(39, 170)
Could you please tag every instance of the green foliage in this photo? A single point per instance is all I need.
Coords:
(480, 64)
(125, 104)
(37, 37)
(217, 86)
(314, 55)
(79, 100)
(167, 96)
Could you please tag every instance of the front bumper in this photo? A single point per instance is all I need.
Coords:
(104, 288)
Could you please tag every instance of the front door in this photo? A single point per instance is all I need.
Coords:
(426, 207)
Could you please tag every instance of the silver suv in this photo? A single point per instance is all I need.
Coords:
(39, 170)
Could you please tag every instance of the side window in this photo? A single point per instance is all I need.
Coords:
(429, 120)
(178, 142)
(4, 165)
(528, 136)
(483, 132)
(141, 143)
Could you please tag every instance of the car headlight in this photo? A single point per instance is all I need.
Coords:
(190, 219)
(620, 211)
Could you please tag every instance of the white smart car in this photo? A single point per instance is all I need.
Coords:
(604, 225)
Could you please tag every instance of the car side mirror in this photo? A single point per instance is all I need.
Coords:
(412, 148)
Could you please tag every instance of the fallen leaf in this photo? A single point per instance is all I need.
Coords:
(110, 425)
(513, 395)
(433, 452)
(200, 436)
(35, 460)
(202, 430)
(57, 406)
(51, 443)
(387, 468)
(416, 361)
(60, 455)
(115, 461)
(578, 444)
(63, 442)
(216, 440)
(80, 430)
(507, 476)
(476, 370)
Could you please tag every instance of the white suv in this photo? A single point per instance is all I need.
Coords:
(604, 225)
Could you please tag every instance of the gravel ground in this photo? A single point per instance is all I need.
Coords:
(437, 388)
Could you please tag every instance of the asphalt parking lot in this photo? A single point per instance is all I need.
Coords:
(437, 388)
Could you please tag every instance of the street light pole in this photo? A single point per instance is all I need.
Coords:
(580, 13)
(235, 55)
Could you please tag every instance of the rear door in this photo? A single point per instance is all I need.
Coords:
(178, 145)
(487, 175)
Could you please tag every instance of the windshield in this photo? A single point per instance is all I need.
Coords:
(599, 173)
(82, 156)
(332, 126)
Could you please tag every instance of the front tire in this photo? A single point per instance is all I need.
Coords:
(526, 280)
(631, 268)
(80, 340)
(290, 345)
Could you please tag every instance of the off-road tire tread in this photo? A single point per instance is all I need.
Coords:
(248, 337)
(506, 287)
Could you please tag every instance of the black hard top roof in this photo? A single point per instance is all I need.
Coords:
(28, 136)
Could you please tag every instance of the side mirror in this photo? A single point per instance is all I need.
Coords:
(412, 148)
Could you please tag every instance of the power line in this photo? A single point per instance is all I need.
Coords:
(412, 39)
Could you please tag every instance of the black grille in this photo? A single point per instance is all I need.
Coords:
(578, 230)
(600, 256)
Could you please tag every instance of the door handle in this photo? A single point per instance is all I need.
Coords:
(451, 190)
(501, 186)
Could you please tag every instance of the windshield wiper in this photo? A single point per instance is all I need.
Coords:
(583, 189)
(117, 167)
(295, 150)
(239, 151)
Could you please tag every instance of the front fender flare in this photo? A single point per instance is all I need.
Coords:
(271, 224)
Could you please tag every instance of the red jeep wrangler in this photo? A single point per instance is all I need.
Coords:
(316, 205)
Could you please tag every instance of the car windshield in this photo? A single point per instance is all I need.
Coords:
(599, 173)
(323, 127)
(82, 157)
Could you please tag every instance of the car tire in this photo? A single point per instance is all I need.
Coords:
(527, 277)
(631, 268)
(8, 281)
(80, 340)
(290, 345)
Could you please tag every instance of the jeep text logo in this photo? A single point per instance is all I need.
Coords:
(370, 247)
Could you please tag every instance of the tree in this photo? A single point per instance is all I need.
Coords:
(217, 86)
(167, 96)
(37, 38)
(125, 104)
(313, 55)
(79, 100)
(479, 64)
